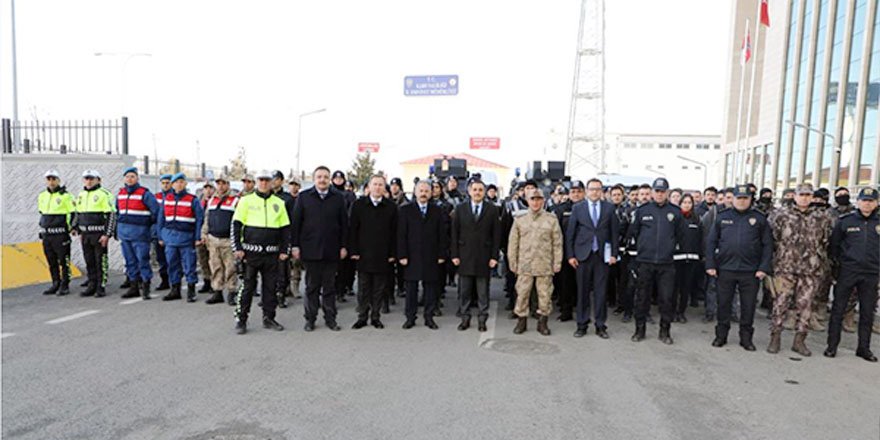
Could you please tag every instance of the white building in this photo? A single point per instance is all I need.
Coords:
(687, 161)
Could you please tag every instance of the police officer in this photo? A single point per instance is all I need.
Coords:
(56, 209)
(164, 189)
(738, 253)
(137, 210)
(261, 238)
(567, 276)
(657, 229)
(293, 186)
(217, 233)
(854, 245)
(180, 230)
(95, 221)
(281, 289)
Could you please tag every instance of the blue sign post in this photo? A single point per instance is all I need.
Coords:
(435, 85)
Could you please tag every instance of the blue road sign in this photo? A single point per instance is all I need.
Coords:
(434, 85)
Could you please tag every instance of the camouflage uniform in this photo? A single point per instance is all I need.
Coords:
(820, 301)
(534, 254)
(800, 258)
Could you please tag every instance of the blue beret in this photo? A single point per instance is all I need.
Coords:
(130, 170)
(165, 177)
(178, 176)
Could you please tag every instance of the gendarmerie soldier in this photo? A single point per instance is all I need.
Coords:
(260, 238)
(180, 230)
(137, 210)
(657, 229)
(738, 253)
(56, 209)
(95, 222)
(854, 247)
(567, 294)
(158, 249)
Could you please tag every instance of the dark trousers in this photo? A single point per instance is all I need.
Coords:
(345, 276)
(660, 278)
(412, 299)
(56, 247)
(628, 299)
(96, 259)
(398, 274)
(160, 258)
(282, 281)
(866, 289)
(320, 290)
(687, 278)
(266, 266)
(728, 283)
(371, 292)
(451, 270)
(470, 286)
(568, 288)
(592, 280)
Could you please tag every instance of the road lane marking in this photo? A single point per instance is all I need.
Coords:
(72, 317)
(6, 335)
(131, 301)
(489, 334)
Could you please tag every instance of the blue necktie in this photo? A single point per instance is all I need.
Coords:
(424, 211)
(595, 224)
(476, 211)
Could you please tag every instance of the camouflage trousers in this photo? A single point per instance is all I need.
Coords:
(204, 261)
(296, 270)
(524, 285)
(803, 288)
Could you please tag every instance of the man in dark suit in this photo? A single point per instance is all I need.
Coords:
(422, 243)
(373, 229)
(320, 226)
(476, 239)
(591, 245)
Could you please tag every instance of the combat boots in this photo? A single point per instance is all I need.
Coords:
(145, 290)
(216, 297)
(174, 294)
(164, 284)
(231, 298)
(542, 326)
(53, 288)
(206, 286)
(134, 289)
(639, 335)
(815, 325)
(799, 346)
(520, 326)
(191, 292)
(775, 341)
(664, 335)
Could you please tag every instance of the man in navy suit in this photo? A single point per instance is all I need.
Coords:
(592, 233)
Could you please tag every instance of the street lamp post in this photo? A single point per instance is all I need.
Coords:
(833, 171)
(704, 165)
(128, 56)
(299, 136)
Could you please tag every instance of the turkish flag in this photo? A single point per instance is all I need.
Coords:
(765, 13)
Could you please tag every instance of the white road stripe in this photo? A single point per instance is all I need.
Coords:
(489, 334)
(6, 335)
(131, 301)
(72, 317)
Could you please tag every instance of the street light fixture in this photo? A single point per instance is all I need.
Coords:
(832, 173)
(299, 136)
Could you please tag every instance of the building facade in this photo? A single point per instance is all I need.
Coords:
(687, 161)
(814, 98)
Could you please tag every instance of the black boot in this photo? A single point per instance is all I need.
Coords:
(134, 289)
(100, 292)
(174, 294)
(231, 299)
(164, 284)
(84, 283)
(241, 326)
(664, 335)
(282, 301)
(65, 289)
(465, 323)
(90, 290)
(206, 286)
(145, 290)
(53, 289)
(639, 335)
(191, 292)
(216, 298)
(481, 323)
(271, 324)
(125, 284)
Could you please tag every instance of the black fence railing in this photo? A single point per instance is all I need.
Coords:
(152, 166)
(100, 136)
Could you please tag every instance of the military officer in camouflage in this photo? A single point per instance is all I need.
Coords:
(801, 234)
(534, 255)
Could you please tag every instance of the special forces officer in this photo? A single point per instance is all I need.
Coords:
(738, 253)
(854, 245)
(260, 237)
(56, 211)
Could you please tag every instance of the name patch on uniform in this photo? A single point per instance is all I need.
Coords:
(752, 221)
(693, 226)
(647, 217)
(853, 229)
(726, 222)
(670, 216)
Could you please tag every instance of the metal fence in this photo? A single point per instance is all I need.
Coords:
(153, 166)
(100, 136)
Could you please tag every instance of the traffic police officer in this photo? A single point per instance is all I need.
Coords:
(180, 230)
(657, 228)
(164, 189)
(137, 210)
(261, 238)
(56, 209)
(95, 221)
(738, 253)
(854, 245)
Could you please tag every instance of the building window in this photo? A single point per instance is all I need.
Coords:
(717, 146)
(647, 146)
(682, 146)
(665, 146)
(624, 166)
(660, 167)
(629, 145)
(702, 146)
(698, 167)
(684, 167)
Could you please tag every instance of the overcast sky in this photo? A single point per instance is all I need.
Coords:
(239, 73)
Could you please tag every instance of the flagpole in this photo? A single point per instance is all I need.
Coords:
(742, 89)
(752, 87)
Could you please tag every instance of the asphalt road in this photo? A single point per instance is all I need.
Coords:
(90, 368)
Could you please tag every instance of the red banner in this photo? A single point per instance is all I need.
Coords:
(371, 147)
(485, 143)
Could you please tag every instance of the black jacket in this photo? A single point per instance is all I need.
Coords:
(475, 241)
(320, 227)
(657, 230)
(422, 241)
(740, 242)
(855, 242)
(691, 246)
(372, 234)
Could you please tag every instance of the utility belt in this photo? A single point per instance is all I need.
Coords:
(54, 231)
(259, 248)
(91, 228)
(686, 257)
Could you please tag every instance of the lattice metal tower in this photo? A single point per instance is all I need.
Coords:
(585, 144)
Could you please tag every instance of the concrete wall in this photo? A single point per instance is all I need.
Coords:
(22, 181)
